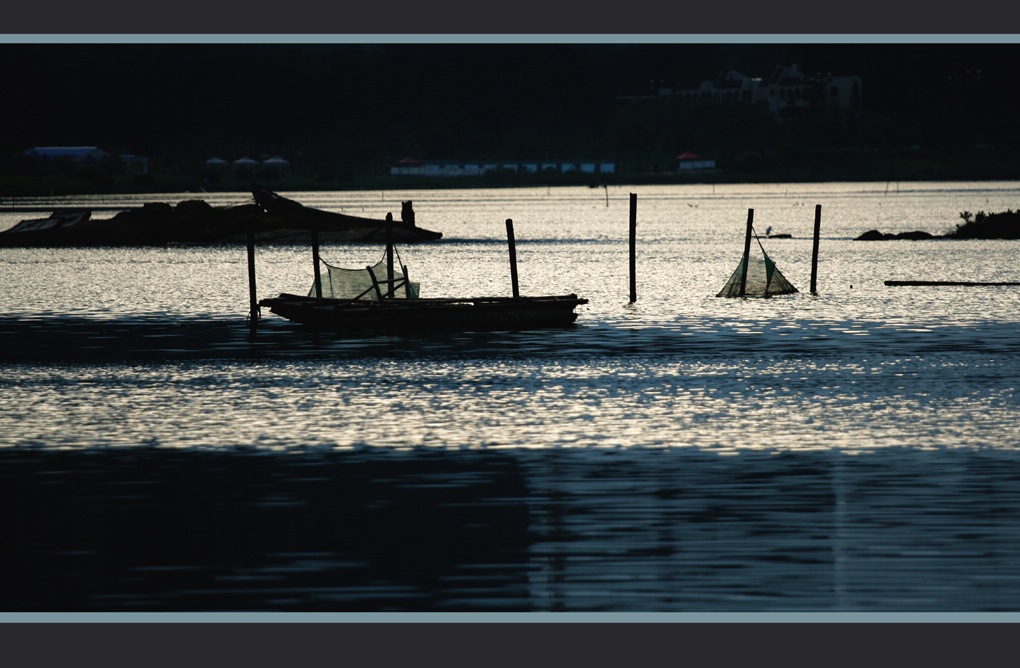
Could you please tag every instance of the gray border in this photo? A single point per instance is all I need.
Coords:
(1003, 38)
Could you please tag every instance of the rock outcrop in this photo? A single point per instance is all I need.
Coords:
(197, 222)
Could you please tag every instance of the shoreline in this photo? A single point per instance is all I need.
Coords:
(13, 187)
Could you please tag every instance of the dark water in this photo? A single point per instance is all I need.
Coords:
(134, 529)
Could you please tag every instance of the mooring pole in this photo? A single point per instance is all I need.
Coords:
(389, 255)
(315, 260)
(633, 247)
(747, 253)
(814, 250)
(253, 302)
(513, 257)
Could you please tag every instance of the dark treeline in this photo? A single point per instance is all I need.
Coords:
(346, 109)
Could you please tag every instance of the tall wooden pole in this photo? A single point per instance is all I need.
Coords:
(633, 247)
(253, 302)
(747, 253)
(814, 250)
(315, 260)
(513, 257)
(389, 256)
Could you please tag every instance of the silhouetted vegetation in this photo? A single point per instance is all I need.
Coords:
(1002, 225)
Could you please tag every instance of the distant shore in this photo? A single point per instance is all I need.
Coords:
(819, 167)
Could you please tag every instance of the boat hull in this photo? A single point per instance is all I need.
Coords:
(470, 314)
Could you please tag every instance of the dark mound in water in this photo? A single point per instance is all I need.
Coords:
(875, 235)
(1003, 225)
(272, 219)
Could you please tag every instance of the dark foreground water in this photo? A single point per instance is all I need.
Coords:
(637, 530)
(189, 466)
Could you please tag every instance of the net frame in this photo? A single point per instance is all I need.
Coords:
(368, 284)
(763, 278)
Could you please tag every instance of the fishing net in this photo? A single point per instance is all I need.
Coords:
(763, 278)
(369, 283)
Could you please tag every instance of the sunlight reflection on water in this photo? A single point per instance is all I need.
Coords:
(786, 403)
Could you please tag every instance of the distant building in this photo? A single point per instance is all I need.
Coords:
(787, 91)
(78, 155)
(245, 166)
(689, 161)
(275, 166)
(410, 166)
(86, 156)
(216, 165)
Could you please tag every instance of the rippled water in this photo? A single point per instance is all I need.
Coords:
(854, 450)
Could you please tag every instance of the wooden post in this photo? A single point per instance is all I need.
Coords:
(513, 257)
(389, 256)
(253, 302)
(408, 294)
(633, 247)
(814, 250)
(315, 260)
(747, 253)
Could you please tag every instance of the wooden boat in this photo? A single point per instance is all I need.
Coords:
(382, 298)
(405, 315)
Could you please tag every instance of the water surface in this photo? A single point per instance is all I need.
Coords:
(852, 450)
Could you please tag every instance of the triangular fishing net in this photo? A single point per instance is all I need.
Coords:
(369, 283)
(763, 278)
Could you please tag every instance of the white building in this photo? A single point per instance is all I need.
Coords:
(413, 167)
(786, 92)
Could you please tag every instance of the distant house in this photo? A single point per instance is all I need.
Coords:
(688, 161)
(77, 155)
(245, 166)
(216, 165)
(408, 165)
(275, 166)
